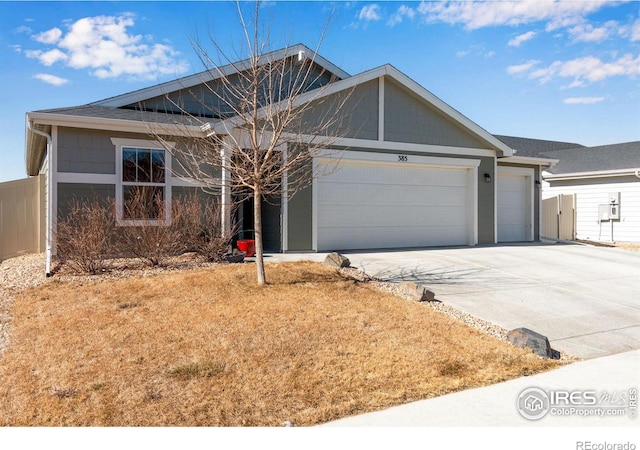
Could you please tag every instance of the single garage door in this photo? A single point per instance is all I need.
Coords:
(515, 204)
(371, 204)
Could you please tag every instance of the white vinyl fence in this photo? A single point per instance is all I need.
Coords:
(558, 217)
(22, 217)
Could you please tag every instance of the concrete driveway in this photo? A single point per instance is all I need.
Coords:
(585, 299)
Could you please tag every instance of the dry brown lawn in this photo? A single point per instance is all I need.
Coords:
(209, 348)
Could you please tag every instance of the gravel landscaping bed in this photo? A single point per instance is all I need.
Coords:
(17, 274)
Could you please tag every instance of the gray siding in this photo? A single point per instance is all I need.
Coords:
(358, 117)
(178, 192)
(410, 119)
(85, 151)
(89, 151)
(181, 166)
(205, 99)
(486, 201)
(70, 192)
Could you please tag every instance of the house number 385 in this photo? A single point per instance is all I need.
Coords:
(403, 158)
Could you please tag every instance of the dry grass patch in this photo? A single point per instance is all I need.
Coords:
(208, 347)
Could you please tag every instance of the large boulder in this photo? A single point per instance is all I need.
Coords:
(337, 260)
(524, 337)
(416, 292)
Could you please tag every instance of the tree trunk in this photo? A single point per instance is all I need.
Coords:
(257, 225)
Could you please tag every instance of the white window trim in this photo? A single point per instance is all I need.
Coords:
(120, 144)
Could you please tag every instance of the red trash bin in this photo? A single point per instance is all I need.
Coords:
(247, 246)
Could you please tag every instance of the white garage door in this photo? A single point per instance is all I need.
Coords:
(515, 204)
(366, 204)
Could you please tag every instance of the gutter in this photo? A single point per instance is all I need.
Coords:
(110, 124)
(529, 160)
(49, 233)
(595, 174)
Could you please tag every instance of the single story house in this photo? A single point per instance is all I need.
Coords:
(601, 184)
(413, 172)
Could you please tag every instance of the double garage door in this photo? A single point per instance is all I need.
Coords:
(409, 202)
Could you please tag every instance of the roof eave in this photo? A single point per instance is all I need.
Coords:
(101, 123)
(593, 174)
(35, 148)
(530, 160)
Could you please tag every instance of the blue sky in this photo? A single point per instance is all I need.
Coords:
(567, 71)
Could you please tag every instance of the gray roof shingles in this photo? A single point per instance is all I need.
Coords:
(576, 158)
(534, 147)
(104, 112)
(595, 159)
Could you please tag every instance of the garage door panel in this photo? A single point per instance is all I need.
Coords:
(362, 216)
(344, 238)
(395, 174)
(387, 205)
(369, 194)
(514, 205)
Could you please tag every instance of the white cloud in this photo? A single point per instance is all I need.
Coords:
(23, 29)
(103, 45)
(370, 13)
(402, 13)
(586, 32)
(47, 58)
(635, 31)
(479, 14)
(582, 100)
(582, 71)
(48, 37)
(521, 68)
(51, 79)
(518, 40)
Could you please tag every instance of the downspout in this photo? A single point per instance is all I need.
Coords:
(49, 233)
(637, 173)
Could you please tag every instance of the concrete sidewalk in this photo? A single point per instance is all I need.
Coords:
(613, 377)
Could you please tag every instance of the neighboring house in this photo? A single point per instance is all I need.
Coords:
(414, 171)
(602, 185)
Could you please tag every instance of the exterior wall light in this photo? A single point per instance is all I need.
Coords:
(487, 178)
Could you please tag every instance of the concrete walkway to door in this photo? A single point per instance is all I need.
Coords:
(585, 299)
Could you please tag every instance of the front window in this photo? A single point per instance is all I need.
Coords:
(143, 190)
(143, 184)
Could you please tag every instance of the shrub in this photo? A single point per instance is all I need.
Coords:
(85, 237)
(210, 241)
(150, 239)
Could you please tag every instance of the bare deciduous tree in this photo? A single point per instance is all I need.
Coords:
(263, 120)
